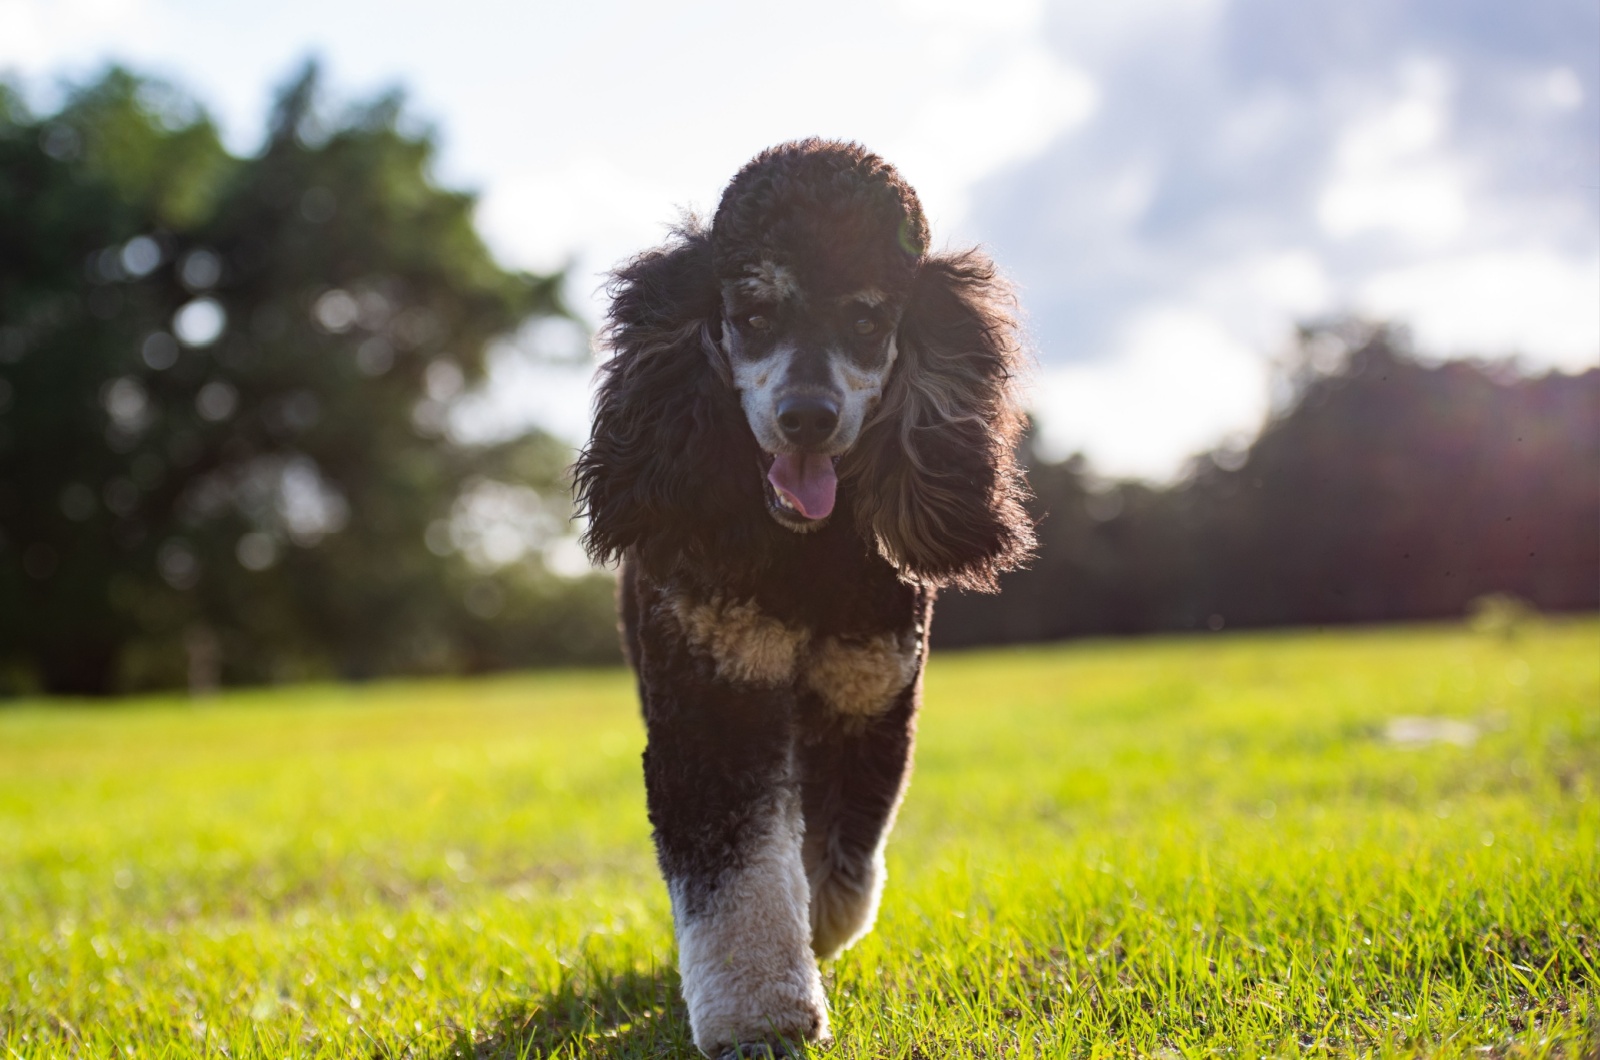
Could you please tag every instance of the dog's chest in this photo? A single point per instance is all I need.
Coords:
(828, 621)
(853, 674)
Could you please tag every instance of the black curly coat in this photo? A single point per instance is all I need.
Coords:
(778, 634)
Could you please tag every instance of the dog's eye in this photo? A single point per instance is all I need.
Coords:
(865, 325)
(758, 322)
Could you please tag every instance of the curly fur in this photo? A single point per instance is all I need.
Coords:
(780, 650)
(664, 471)
(936, 483)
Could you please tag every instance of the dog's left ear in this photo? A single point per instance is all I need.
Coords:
(937, 482)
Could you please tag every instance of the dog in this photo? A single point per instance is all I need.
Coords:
(805, 428)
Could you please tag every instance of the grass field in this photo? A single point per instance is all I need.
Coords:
(1224, 844)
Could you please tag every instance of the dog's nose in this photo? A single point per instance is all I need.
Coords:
(807, 420)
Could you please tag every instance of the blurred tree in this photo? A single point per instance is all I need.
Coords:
(225, 398)
(1391, 489)
(1383, 489)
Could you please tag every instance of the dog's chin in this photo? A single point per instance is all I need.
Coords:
(782, 512)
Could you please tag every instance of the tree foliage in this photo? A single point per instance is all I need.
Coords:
(1386, 489)
(225, 397)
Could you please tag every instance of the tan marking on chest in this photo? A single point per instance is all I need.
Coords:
(862, 678)
(745, 644)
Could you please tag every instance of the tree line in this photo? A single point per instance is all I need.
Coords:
(1386, 489)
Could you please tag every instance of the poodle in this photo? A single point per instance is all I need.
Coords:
(805, 428)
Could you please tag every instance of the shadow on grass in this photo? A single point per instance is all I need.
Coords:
(635, 1014)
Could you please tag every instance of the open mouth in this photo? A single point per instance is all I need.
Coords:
(801, 488)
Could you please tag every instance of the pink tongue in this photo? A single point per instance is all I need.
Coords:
(806, 481)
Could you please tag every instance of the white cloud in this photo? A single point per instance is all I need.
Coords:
(540, 218)
(1392, 173)
(1257, 294)
(980, 125)
(585, 213)
(37, 34)
(1183, 375)
(1563, 89)
(1101, 31)
(1178, 383)
(1527, 301)
(963, 16)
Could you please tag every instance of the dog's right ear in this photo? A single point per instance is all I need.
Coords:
(660, 472)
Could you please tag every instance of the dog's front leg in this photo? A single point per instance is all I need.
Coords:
(724, 798)
(857, 723)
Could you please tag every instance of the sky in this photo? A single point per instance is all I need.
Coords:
(1172, 184)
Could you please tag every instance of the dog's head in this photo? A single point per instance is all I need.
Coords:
(803, 347)
(815, 248)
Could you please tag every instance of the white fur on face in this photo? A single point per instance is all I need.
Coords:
(746, 962)
(762, 383)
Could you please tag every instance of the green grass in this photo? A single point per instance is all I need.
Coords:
(1176, 847)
